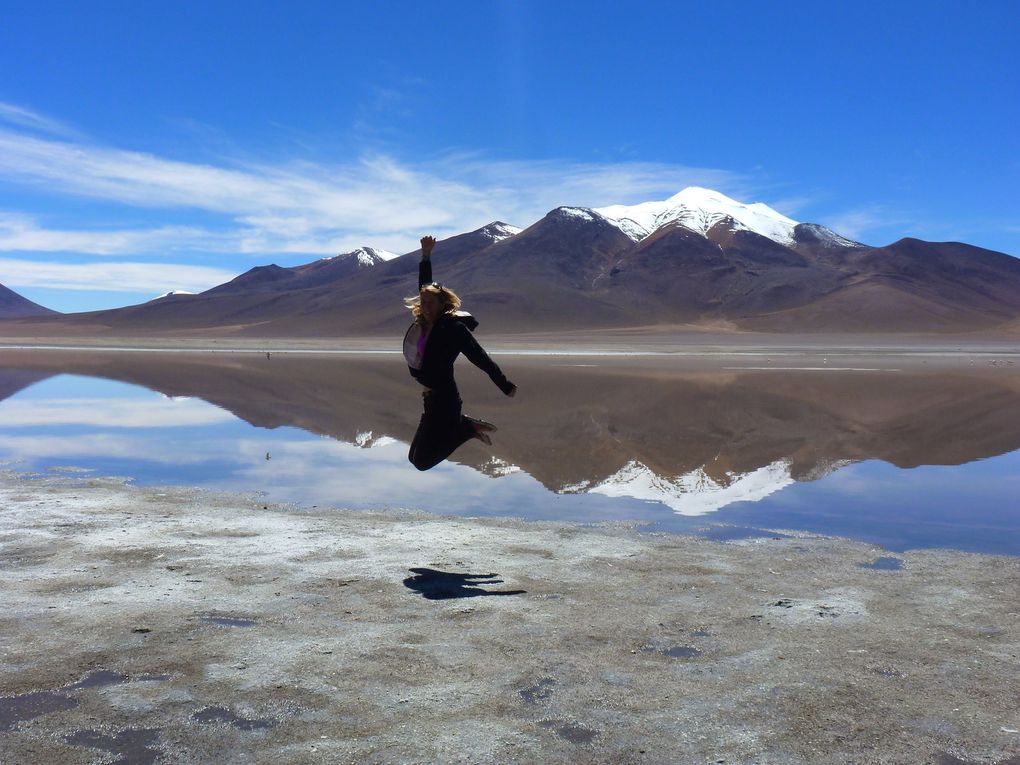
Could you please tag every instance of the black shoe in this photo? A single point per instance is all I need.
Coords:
(481, 425)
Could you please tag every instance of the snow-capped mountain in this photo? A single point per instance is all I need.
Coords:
(699, 210)
(365, 256)
(497, 231)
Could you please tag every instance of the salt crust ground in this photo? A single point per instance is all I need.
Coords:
(178, 626)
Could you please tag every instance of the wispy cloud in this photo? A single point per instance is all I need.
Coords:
(866, 223)
(154, 278)
(23, 117)
(22, 233)
(317, 208)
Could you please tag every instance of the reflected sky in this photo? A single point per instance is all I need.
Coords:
(898, 458)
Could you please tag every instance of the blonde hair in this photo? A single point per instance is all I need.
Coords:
(447, 299)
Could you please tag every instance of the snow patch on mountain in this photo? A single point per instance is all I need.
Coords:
(823, 469)
(172, 293)
(823, 235)
(497, 468)
(695, 493)
(366, 256)
(368, 440)
(577, 212)
(699, 209)
(497, 231)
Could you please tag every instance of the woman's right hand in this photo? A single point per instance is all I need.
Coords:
(427, 243)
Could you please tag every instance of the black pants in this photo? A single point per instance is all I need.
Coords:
(441, 431)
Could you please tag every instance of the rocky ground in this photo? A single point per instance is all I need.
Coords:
(175, 626)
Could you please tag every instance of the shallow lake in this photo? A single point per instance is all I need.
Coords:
(901, 455)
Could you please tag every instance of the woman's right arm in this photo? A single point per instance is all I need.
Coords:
(425, 266)
(477, 356)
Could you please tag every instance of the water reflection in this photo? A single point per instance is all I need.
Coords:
(606, 439)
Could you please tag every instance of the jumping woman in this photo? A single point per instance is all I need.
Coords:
(439, 334)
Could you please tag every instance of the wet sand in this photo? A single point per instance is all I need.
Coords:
(171, 625)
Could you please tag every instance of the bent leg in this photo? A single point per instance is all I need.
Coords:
(441, 431)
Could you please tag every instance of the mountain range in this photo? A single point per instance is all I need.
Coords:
(697, 259)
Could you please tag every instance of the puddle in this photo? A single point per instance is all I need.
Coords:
(540, 691)
(98, 679)
(15, 709)
(229, 621)
(888, 672)
(131, 745)
(222, 714)
(675, 652)
(885, 563)
(734, 533)
(575, 734)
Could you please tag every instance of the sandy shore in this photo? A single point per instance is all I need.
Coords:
(171, 625)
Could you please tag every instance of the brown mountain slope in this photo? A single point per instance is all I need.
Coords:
(13, 305)
(573, 269)
(869, 304)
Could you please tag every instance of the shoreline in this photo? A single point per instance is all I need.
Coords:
(647, 348)
(648, 341)
(224, 628)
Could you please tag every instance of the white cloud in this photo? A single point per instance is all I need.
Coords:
(859, 223)
(376, 200)
(26, 118)
(21, 233)
(147, 412)
(154, 278)
(96, 446)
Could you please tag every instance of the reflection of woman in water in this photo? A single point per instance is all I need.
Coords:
(439, 334)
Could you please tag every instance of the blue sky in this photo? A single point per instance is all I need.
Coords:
(154, 146)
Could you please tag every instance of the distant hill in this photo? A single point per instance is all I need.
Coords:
(696, 258)
(14, 306)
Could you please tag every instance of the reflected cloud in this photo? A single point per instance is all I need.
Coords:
(149, 412)
(102, 447)
(320, 471)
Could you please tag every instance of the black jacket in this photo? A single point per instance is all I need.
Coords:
(450, 337)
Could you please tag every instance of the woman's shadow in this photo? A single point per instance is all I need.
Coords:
(442, 585)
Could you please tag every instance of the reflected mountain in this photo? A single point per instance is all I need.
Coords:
(693, 440)
(14, 380)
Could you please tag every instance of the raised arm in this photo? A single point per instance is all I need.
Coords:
(425, 266)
